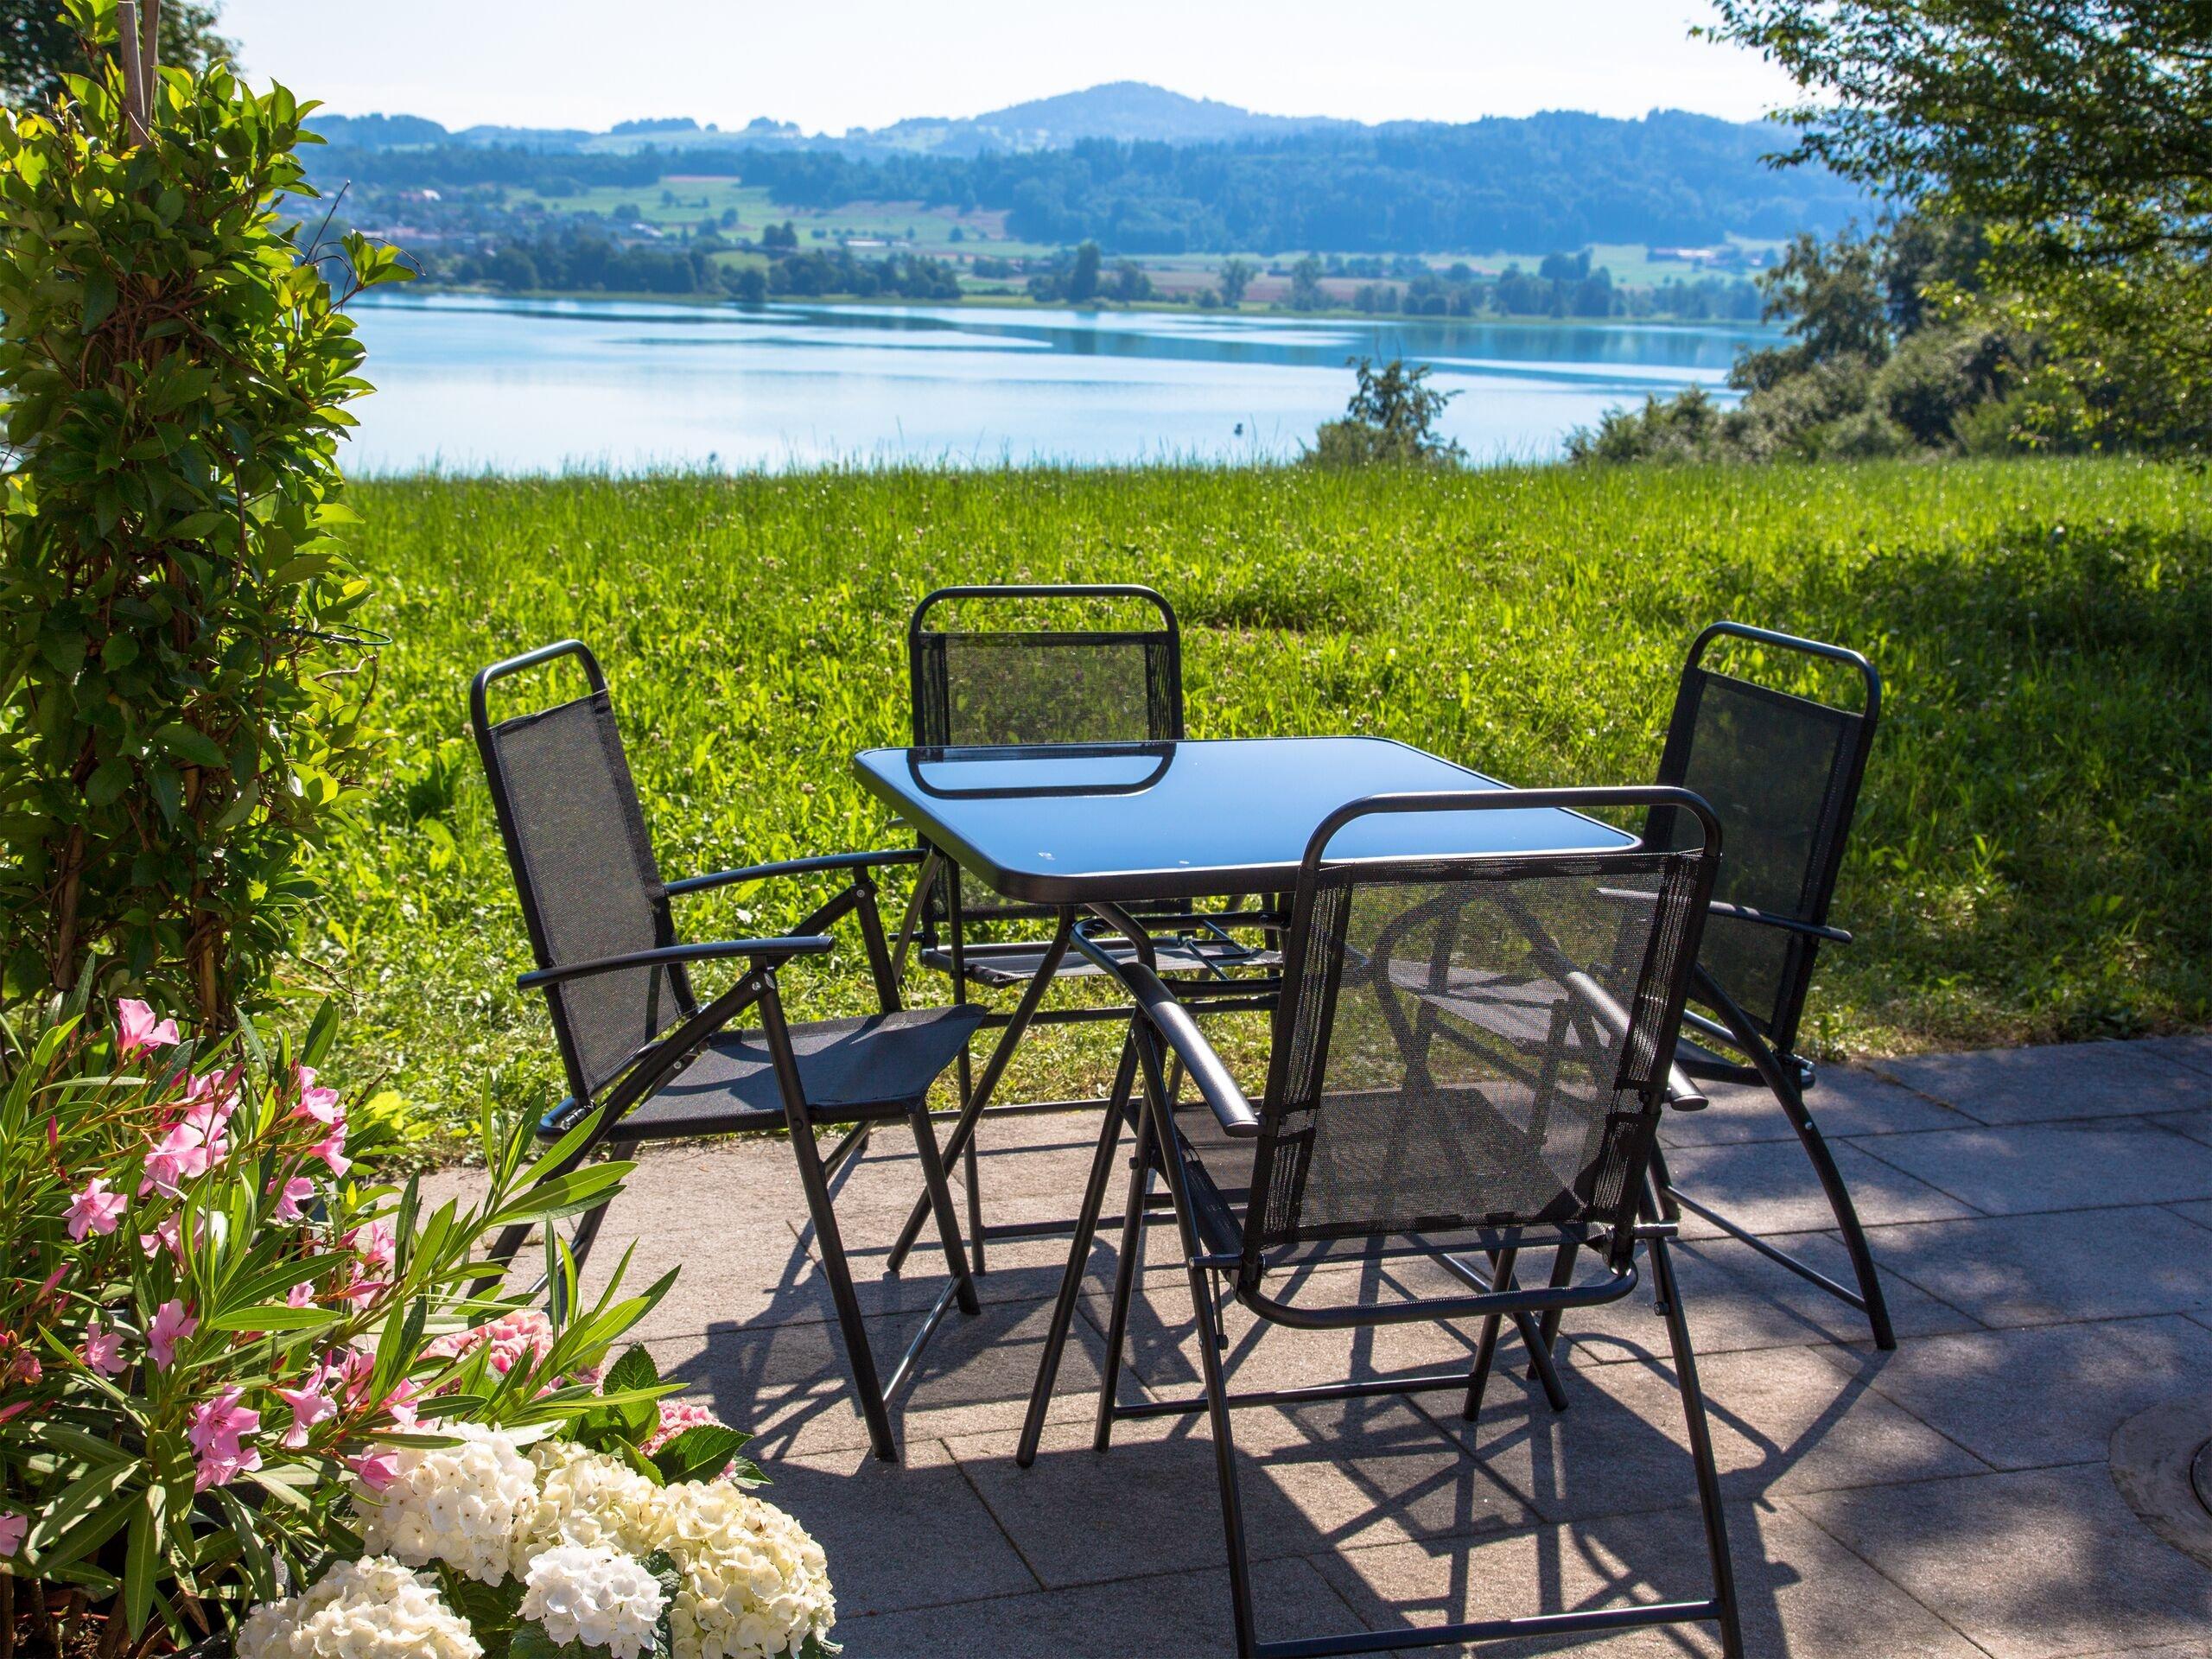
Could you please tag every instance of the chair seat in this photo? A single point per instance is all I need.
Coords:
(879, 1066)
(1000, 964)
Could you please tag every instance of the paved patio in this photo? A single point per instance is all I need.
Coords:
(2044, 1219)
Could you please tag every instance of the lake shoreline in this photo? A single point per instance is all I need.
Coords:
(408, 293)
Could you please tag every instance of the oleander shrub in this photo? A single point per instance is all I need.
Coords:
(218, 1341)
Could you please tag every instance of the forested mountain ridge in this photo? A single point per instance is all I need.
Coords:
(1558, 179)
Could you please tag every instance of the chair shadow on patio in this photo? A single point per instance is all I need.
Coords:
(1379, 1513)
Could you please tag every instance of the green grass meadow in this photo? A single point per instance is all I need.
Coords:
(2031, 850)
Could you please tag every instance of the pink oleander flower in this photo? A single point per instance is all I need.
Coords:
(399, 1404)
(23, 1368)
(359, 1294)
(375, 1469)
(352, 1367)
(292, 1196)
(301, 1295)
(169, 1235)
(308, 1408)
(95, 1210)
(137, 1030)
(218, 1428)
(12, 1528)
(103, 1349)
(332, 1150)
(171, 1325)
(195, 1144)
(320, 1104)
(374, 1244)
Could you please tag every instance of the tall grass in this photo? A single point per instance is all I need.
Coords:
(2032, 852)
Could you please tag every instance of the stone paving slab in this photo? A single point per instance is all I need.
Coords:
(2042, 1269)
(1846, 1101)
(2027, 1085)
(1767, 1187)
(2030, 1566)
(2033, 1398)
(1951, 1498)
(2050, 1166)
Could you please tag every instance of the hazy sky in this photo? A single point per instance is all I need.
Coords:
(838, 63)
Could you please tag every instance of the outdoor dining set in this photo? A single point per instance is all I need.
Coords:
(1480, 1001)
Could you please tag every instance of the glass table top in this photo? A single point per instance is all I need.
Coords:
(1070, 823)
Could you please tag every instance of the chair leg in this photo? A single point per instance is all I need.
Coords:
(1086, 1229)
(1700, 1433)
(1838, 1197)
(1224, 1456)
(1125, 1279)
(1781, 1083)
(948, 1223)
(1487, 1345)
(850, 1326)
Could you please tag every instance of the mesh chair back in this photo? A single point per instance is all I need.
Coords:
(583, 868)
(1463, 1044)
(983, 686)
(1782, 771)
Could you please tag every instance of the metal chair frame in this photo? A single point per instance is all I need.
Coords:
(1767, 1041)
(1219, 1246)
(663, 1059)
(941, 917)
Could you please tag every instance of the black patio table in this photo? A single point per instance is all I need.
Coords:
(1097, 827)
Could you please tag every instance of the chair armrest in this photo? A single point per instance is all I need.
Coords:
(793, 867)
(1740, 913)
(767, 951)
(1180, 1033)
(1682, 1093)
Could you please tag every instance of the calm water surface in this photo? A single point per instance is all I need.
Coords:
(469, 382)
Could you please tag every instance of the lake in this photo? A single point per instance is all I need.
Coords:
(474, 383)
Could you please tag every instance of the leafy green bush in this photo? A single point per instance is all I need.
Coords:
(1390, 421)
(181, 696)
(208, 1323)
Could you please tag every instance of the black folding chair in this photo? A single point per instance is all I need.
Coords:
(1782, 772)
(639, 1046)
(978, 682)
(1471, 1055)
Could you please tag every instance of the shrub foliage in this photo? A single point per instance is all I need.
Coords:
(181, 699)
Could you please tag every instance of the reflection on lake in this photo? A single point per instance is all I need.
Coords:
(469, 382)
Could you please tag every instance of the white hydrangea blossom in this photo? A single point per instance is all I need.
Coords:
(754, 1583)
(585, 1498)
(462, 1504)
(373, 1608)
(595, 1595)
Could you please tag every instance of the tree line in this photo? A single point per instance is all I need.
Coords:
(1558, 179)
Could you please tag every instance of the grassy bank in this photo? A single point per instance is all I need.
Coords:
(2030, 853)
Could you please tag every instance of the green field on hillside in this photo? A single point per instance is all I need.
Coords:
(2031, 854)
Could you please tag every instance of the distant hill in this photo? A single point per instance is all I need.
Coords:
(1127, 110)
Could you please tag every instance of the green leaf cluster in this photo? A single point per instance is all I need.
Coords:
(183, 684)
